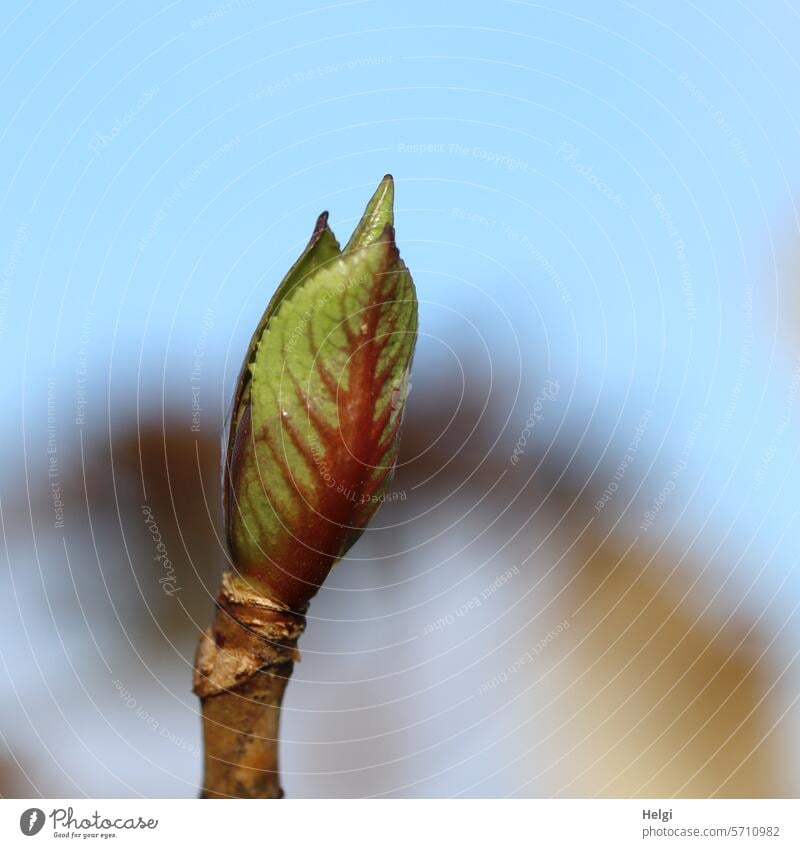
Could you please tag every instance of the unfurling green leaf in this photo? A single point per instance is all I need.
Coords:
(316, 416)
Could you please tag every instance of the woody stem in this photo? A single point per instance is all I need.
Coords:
(243, 664)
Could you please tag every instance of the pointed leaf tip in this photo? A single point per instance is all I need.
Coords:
(322, 223)
(379, 213)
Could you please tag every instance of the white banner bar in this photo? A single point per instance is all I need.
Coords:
(402, 823)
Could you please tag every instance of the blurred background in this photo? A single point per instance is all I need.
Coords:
(587, 583)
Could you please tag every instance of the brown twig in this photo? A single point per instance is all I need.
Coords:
(243, 663)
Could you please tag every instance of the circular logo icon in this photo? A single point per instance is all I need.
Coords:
(31, 821)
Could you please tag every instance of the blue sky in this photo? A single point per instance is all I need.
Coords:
(604, 194)
(610, 193)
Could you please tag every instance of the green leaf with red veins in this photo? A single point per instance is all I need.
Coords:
(321, 248)
(315, 430)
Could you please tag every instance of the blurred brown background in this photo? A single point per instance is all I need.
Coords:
(491, 626)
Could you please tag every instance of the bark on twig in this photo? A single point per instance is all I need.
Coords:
(243, 663)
